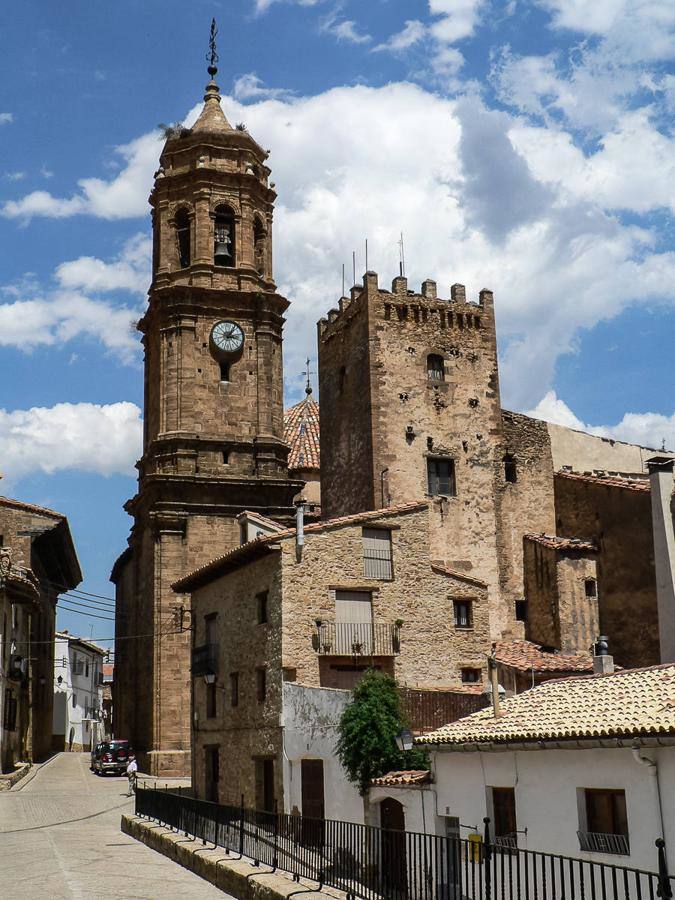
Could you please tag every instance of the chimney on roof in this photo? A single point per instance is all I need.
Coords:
(603, 663)
(299, 527)
(661, 484)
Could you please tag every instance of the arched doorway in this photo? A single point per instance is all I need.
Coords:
(394, 865)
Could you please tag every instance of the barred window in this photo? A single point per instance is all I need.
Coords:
(435, 367)
(463, 614)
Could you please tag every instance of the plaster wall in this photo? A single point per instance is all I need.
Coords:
(311, 717)
(587, 452)
(546, 783)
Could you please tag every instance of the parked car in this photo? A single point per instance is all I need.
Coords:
(112, 756)
(95, 753)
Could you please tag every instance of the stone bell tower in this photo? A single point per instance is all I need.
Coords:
(213, 424)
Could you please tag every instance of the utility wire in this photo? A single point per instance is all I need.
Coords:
(81, 613)
(63, 588)
(123, 637)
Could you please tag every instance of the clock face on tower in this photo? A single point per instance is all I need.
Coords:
(227, 337)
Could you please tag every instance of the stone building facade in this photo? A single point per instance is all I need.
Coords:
(213, 413)
(319, 613)
(37, 563)
(410, 405)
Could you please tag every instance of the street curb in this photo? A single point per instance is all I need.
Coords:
(239, 878)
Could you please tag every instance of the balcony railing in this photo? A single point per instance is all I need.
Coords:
(205, 660)
(604, 843)
(357, 639)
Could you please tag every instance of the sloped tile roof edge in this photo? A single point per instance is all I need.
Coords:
(241, 554)
(403, 778)
(582, 707)
(562, 544)
(31, 507)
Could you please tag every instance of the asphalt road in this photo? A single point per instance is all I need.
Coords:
(60, 838)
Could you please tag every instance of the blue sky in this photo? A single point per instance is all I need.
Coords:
(524, 146)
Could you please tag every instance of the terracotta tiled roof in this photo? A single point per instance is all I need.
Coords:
(627, 704)
(561, 543)
(526, 656)
(301, 433)
(629, 484)
(444, 570)
(411, 776)
(205, 573)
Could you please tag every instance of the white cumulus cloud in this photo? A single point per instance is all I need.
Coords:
(6, 118)
(103, 439)
(646, 429)
(412, 33)
(250, 87)
(130, 271)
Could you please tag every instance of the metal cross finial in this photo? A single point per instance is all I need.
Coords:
(212, 55)
(308, 373)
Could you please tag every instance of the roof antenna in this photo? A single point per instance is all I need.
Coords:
(401, 261)
(212, 55)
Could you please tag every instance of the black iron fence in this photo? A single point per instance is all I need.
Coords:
(377, 864)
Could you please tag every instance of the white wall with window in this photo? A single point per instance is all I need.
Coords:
(599, 803)
(78, 692)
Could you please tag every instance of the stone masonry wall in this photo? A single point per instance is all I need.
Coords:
(411, 417)
(432, 649)
(250, 729)
(618, 520)
(523, 506)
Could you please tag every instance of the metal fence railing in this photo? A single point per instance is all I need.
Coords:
(376, 864)
(357, 639)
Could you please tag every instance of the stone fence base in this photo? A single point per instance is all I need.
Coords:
(237, 877)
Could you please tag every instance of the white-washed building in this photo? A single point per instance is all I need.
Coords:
(78, 692)
(582, 766)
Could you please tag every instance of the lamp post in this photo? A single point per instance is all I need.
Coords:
(404, 740)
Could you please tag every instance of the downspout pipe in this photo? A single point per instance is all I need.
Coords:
(653, 769)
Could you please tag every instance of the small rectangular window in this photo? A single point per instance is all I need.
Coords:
(441, 477)
(463, 613)
(224, 371)
(234, 688)
(510, 470)
(435, 367)
(603, 825)
(377, 554)
(521, 610)
(591, 587)
(210, 701)
(261, 684)
(471, 676)
(262, 607)
(211, 628)
(504, 816)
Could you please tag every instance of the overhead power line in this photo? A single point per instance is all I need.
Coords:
(95, 609)
(81, 613)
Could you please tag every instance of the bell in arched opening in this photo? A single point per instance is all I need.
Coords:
(223, 237)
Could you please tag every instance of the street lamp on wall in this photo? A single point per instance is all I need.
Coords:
(209, 678)
(404, 740)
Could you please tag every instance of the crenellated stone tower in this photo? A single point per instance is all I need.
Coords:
(213, 426)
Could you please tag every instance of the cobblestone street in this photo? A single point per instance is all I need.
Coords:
(60, 838)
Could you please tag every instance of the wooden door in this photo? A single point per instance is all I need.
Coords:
(312, 788)
(394, 869)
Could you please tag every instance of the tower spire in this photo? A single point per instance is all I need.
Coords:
(212, 118)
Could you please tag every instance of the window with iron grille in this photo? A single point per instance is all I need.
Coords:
(377, 562)
(435, 367)
(463, 613)
(604, 821)
(504, 816)
(441, 477)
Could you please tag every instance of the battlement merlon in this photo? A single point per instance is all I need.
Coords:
(454, 312)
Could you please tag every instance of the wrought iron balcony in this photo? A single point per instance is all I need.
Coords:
(604, 843)
(356, 639)
(205, 660)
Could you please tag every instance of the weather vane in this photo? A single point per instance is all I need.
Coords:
(308, 373)
(212, 55)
